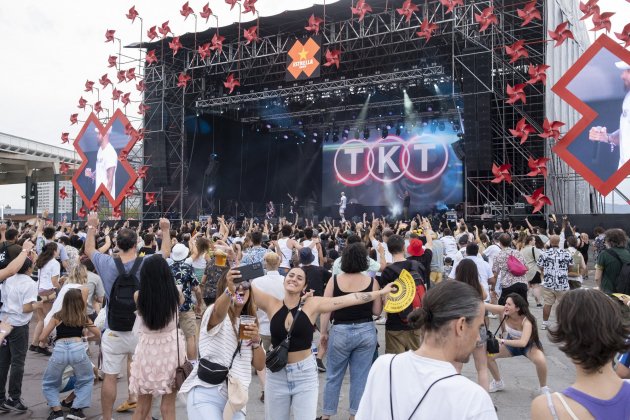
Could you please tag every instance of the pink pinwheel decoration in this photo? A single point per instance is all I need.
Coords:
(231, 82)
(74, 118)
(109, 35)
(624, 35)
(186, 10)
(426, 29)
(140, 87)
(130, 191)
(116, 94)
(104, 81)
(142, 171)
(516, 51)
(183, 79)
(97, 107)
(125, 99)
(204, 51)
(62, 193)
(501, 173)
(538, 166)
(131, 74)
(232, 3)
(361, 9)
(217, 42)
(537, 74)
(64, 136)
(89, 86)
(82, 212)
(117, 212)
(408, 9)
(486, 18)
(333, 58)
(64, 168)
(206, 12)
(551, 130)
(251, 35)
(561, 34)
(142, 108)
(82, 103)
(313, 24)
(516, 93)
(149, 198)
(529, 13)
(121, 75)
(152, 33)
(538, 199)
(175, 45)
(249, 6)
(151, 58)
(165, 29)
(602, 21)
(133, 14)
(522, 130)
(450, 4)
(589, 8)
(111, 61)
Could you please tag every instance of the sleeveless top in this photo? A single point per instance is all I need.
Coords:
(515, 334)
(352, 313)
(618, 407)
(64, 331)
(286, 253)
(302, 334)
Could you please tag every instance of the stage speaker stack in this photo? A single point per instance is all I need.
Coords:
(156, 151)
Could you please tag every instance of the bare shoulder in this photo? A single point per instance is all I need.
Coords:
(540, 409)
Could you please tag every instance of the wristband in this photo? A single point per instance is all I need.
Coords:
(228, 293)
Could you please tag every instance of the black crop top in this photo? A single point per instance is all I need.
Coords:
(63, 331)
(302, 334)
(352, 313)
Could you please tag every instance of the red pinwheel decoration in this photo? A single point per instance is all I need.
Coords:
(551, 130)
(123, 154)
(64, 168)
(142, 171)
(111, 61)
(109, 35)
(94, 206)
(175, 45)
(522, 130)
(501, 173)
(82, 212)
(129, 129)
(121, 75)
(133, 14)
(131, 74)
(313, 24)
(74, 118)
(82, 103)
(183, 79)
(186, 10)
(204, 51)
(138, 135)
(408, 9)
(62, 193)
(142, 108)
(450, 4)
(164, 29)
(97, 107)
(516, 93)
(151, 58)
(589, 8)
(538, 199)
(217, 42)
(333, 58)
(206, 12)
(624, 35)
(149, 198)
(538, 166)
(602, 21)
(361, 9)
(426, 29)
(529, 13)
(152, 33)
(64, 136)
(251, 35)
(516, 51)
(89, 86)
(231, 82)
(140, 86)
(486, 18)
(537, 74)
(117, 212)
(116, 94)
(130, 191)
(232, 3)
(561, 34)
(249, 6)
(104, 81)
(125, 99)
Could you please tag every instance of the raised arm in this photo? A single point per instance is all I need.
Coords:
(320, 305)
(165, 226)
(17, 263)
(90, 241)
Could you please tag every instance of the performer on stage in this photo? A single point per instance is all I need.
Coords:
(106, 163)
(271, 210)
(342, 206)
(406, 198)
(293, 203)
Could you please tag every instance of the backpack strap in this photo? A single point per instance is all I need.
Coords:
(121, 267)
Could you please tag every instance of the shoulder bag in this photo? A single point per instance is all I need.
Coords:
(278, 357)
(183, 370)
(492, 344)
(215, 373)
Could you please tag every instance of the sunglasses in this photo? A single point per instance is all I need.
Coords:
(246, 285)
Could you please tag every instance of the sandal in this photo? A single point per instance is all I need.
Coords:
(126, 406)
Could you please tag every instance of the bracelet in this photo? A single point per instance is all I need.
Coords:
(4, 332)
(228, 293)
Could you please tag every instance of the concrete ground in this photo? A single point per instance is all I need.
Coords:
(514, 402)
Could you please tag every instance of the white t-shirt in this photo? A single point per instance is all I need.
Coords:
(388, 255)
(491, 252)
(342, 202)
(273, 284)
(17, 290)
(46, 273)
(454, 398)
(450, 246)
(105, 159)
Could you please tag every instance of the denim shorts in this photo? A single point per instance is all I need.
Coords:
(517, 351)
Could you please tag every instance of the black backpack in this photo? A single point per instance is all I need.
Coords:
(5, 259)
(418, 274)
(121, 306)
(622, 283)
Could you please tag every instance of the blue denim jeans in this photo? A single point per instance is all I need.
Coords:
(207, 403)
(294, 388)
(354, 345)
(69, 354)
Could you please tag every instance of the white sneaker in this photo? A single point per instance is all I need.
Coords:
(381, 321)
(496, 386)
(544, 326)
(543, 390)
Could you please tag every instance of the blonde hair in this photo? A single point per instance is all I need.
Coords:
(78, 275)
(272, 261)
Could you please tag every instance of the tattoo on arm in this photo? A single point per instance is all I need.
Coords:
(365, 297)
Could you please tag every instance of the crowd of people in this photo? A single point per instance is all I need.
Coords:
(192, 311)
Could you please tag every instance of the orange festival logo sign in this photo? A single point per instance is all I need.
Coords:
(303, 59)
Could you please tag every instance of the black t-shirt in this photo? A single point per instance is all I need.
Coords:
(316, 278)
(425, 261)
(394, 321)
(407, 201)
(145, 250)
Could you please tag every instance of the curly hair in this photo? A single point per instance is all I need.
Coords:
(616, 238)
(354, 258)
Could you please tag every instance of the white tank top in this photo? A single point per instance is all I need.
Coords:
(286, 253)
(308, 242)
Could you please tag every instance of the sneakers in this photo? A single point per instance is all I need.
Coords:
(2, 409)
(76, 414)
(44, 351)
(56, 415)
(33, 348)
(14, 405)
(544, 325)
(539, 305)
(320, 365)
(496, 386)
(66, 404)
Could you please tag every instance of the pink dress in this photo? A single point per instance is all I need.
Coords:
(155, 359)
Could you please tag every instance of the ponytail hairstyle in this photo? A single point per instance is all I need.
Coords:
(48, 253)
(523, 309)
